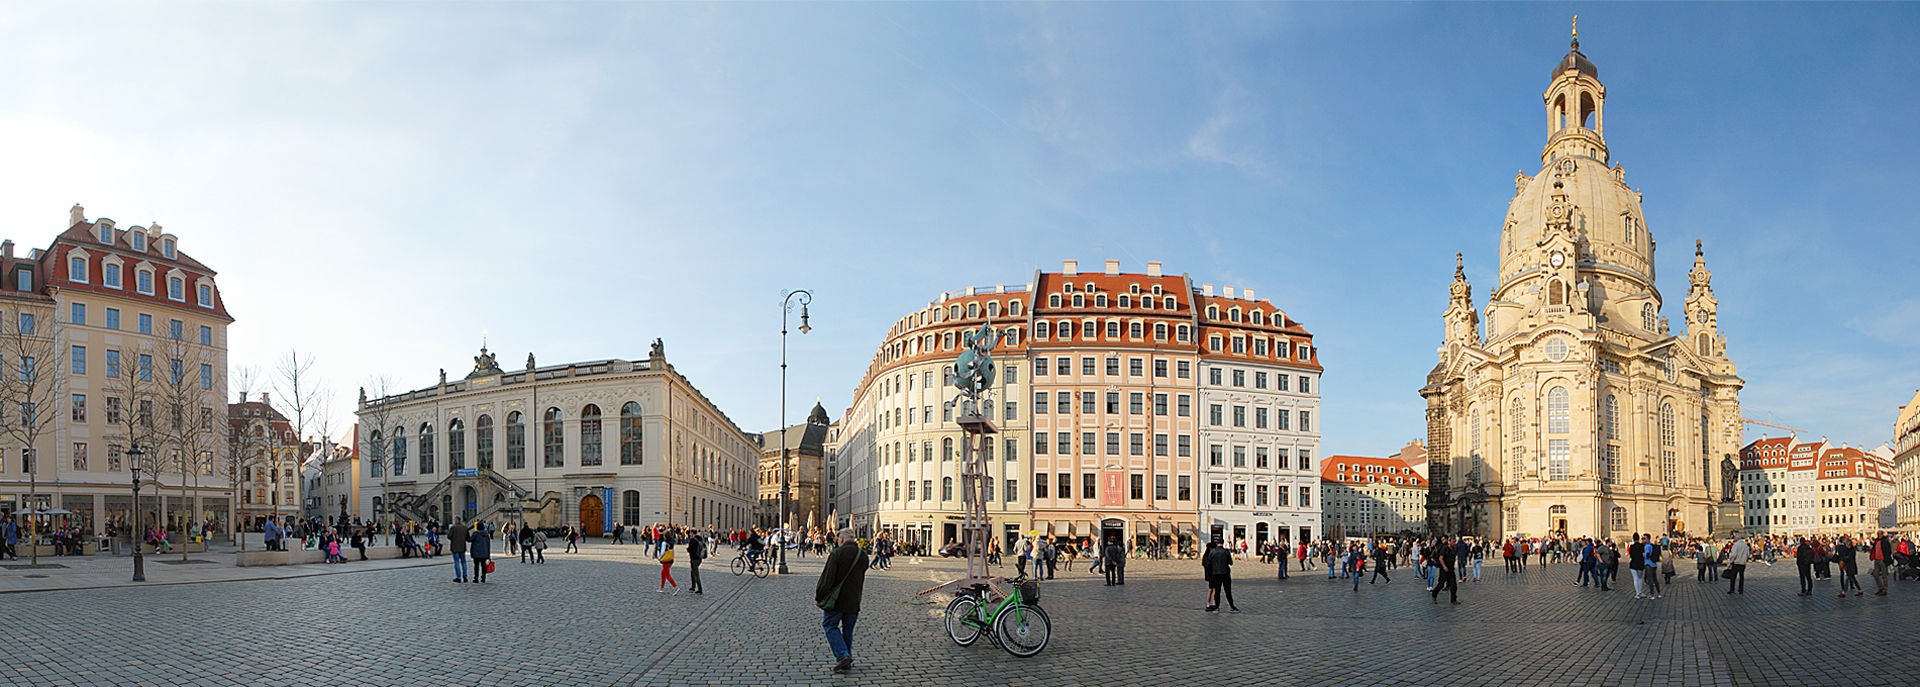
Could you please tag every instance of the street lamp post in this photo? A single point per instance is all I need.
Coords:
(786, 306)
(134, 456)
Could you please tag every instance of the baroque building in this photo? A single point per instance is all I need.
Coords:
(1135, 406)
(806, 446)
(1577, 409)
(1906, 465)
(588, 444)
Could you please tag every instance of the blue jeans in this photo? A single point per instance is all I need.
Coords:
(460, 566)
(1586, 571)
(1283, 567)
(839, 629)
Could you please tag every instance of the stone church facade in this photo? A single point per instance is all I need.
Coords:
(1576, 409)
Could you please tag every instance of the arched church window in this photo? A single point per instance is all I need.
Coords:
(1646, 316)
(1557, 410)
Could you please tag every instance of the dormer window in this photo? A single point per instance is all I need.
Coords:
(206, 295)
(106, 234)
(110, 274)
(166, 248)
(24, 279)
(139, 242)
(143, 281)
(77, 269)
(176, 289)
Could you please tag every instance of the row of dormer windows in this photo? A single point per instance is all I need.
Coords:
(137, 238)
(79, 272)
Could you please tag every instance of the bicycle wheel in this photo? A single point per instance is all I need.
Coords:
(959, 610)
(760, 570)
(739, 566)
(1023, 630)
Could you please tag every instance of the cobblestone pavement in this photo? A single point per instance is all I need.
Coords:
(594, 619)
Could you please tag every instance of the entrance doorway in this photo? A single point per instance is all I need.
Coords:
(592, 512)
(1113, 530)
(949, 533)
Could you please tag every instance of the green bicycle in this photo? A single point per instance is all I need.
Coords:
(1013, 620)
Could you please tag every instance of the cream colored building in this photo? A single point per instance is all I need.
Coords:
(1764, 485)
(806, 471)
(133, 331)
(1853, 488)
(268, 461)
(1906, 465)
(1577, 410)
(1363, 496)
(587, 444)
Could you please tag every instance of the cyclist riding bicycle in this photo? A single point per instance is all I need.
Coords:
(754, 548)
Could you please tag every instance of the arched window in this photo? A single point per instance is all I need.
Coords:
(631, 446)
(1160, 331)
(426, 449)
(456, 445)
(1612, 419)
(630, 507)
(399, 451)
(374, 444)
(946, 449)
(1053, 300)
(993, 308)
(1171, 304)
(1666, 424)
(973, 310)
(483, 442)
(1557, 411)
(1668, 465)
(553, 439)
(590, 435)
(946, 488)
(1556, 293)
(1014, 307)
(1183, 333)
(1646, 316)
(1617, 519)
(1213, 312)
(1475, 423)
(516, 441)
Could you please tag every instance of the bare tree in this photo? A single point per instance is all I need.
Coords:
(185, 389)
(33, 388)
(128, 403)
(378, 412)
(302, 392)
(246, 450)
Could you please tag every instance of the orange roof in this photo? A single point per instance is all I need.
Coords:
(1369, 470)
(1763, 453)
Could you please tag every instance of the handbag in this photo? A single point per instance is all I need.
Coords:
(489, 566)
(833, 595)
(667, 557)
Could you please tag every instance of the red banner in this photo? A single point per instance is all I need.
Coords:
(1115, 481)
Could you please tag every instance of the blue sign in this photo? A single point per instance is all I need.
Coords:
(606, 510)
(467, 472)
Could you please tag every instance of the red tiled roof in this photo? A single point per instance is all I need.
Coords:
(1354, 470)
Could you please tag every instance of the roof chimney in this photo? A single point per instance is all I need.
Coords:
(1250, 294)
(243, 397)
(1226, 291)
(76, 215)
(1153, 268)
(265, 399)
(1113, 267)
(1069, 267)
(6, 248)
(1206, 290)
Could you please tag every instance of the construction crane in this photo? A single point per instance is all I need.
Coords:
(1795, 430)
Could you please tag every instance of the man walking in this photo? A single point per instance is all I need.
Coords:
(1738, 554)
(838, 596)
(1637, 564)
(457, 544)
(696, 552)
(480, 547)
(1217, 565)
(1444, 577)
(1803, 559)
(1880, 552)
(1380, 558)
(1114, 561)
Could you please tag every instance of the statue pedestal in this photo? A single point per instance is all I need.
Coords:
(1728, 518)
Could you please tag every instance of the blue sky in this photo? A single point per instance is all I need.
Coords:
(380, 183)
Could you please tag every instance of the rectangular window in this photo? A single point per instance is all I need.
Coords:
(1040, 365)
(113, 363)
(1012, 375)
(1186, 488)
(1159, 487)
(1280, 382)
(1039, 485)
(1159, 368)
(1063, 365)
(25, 280)
(1088, 445)
(1088, 488)
(1013, 449)
(174, 329)
(1065, 486)
(1186, 445)
(1040, 402)
(26, 323)
(1136, 403)
(113, 318)
(1214, 414)
(1306, 420)
(1160, 404)
(1185, 408)
(113, 410)
(1113, 402)
(110, 275)
(80, 456)
(1039, 443)
(1239, 377)
(79, 404)
(1282, 419)
(1213, 376)
(1259, 380)
(206, 335)
(175, 289)
(1239, 456)
(1306, 384)
(79, 313)
(1260, 495)
(1137, 487)
(1239, 416)
(1260, 457)
(146, 323)
(1086, 366)
(144, 282)
(1136, 366)
(1260, 418)
(1137, 444)
(1306, 497)
(146, 367)
(1113, 366)
(1239, 490)
(176, 372)
(1013, 490)
(1064, 443)
(1216, 494)
(206, 376)
(1009, 411)
(1113, 443)
(1306, 461)
(1063, 402)
(206, 296)
(1086, 402)
(1159, 444)
(1184, 369)
(1559, 459)
(1215, 455)
(1281, 494)
(79, 360)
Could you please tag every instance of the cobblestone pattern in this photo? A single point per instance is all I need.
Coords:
(594, 619)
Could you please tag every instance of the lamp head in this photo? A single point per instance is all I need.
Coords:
(803, 320)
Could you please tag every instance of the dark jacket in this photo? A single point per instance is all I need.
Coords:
(847, 567)
(1804, 554)
(1638, 556)
(482, 545)
(696, 548)
(456, 543)
(1217, 562)
(1113, 555)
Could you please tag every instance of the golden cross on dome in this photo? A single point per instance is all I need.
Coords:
(1576, 27)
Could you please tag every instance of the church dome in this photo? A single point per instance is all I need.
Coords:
(1601, 211)
(818, 416)
(1575, 60)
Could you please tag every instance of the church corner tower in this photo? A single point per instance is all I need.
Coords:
(1565, 405)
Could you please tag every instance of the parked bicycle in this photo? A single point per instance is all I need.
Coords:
(1012, 619)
